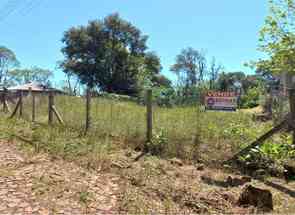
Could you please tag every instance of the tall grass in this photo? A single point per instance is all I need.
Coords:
(185, 132)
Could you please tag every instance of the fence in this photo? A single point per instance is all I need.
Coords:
(276, 104)
(85, 113)
(189, 130)
(115, 118)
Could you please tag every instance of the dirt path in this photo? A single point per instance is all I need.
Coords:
(38, 185)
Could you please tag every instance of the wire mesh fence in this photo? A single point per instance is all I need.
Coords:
(184, 132)
(280, 105)
(118, 119)
(72, 110)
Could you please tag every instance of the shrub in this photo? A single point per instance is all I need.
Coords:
(251, 98)
(159, 143)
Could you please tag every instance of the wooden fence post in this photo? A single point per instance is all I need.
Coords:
(20, 103)
(88, 110)
(149, 112)
(33, 107)
(292, 110)
(30, 91)
(50, 104)
(4, 100)
(31, 94)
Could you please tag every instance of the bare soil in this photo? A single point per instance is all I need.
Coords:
(33, 183)
(37, 184)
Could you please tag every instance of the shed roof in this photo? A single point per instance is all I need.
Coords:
(34, 87)
(29, 86)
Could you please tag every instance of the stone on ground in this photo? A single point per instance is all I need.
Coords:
(259, 198)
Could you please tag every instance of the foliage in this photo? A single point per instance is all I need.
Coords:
(233, 80)
(8, 60)
(123, 122)
(272, 151)
(161, 81)
(228, 81)
(110, 54)
(35, 74)
(116, 97)
(250, 87)
(251, 99)
(84, 197)
(277, 37)
(190, 68)
(214, 71)
(159, 143)
(71, 85)
(164, 96)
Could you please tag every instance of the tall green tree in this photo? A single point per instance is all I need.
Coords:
(8, 60)
(214, 71)
(109, 54)
(190, 67)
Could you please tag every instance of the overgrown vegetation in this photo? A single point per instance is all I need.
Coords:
(153, 183)
(183, 132)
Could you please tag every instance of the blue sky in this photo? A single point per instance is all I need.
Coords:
(226, 29)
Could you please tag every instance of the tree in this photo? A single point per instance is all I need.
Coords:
(265, 77)
(227, 81)
(8, 60)
(150, 76)
(35, 74)
(190, 67)
(110, 54)
(72, 84)
(161, 81)
(277, 37)
(213, 72)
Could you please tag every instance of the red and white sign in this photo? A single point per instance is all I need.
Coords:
(221, 101)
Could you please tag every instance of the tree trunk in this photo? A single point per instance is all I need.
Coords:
(292, 109)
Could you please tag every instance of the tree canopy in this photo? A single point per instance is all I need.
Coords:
(190, 67)
(35, 74)
(110, 54)
(277, 38)
(8, 60)
(230, 81)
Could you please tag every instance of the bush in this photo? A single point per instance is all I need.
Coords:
(251, 98)
(164, 96)
(159, 143)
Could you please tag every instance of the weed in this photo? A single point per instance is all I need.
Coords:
(159, 143)
(85, 197)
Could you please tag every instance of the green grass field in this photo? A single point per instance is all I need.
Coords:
(118, 127)
(184, 132)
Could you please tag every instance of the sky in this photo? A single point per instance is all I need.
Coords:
(226, 29)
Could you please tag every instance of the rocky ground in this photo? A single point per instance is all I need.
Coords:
(169, 186)
(37, 184)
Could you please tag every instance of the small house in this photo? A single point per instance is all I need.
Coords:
(13, 92)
